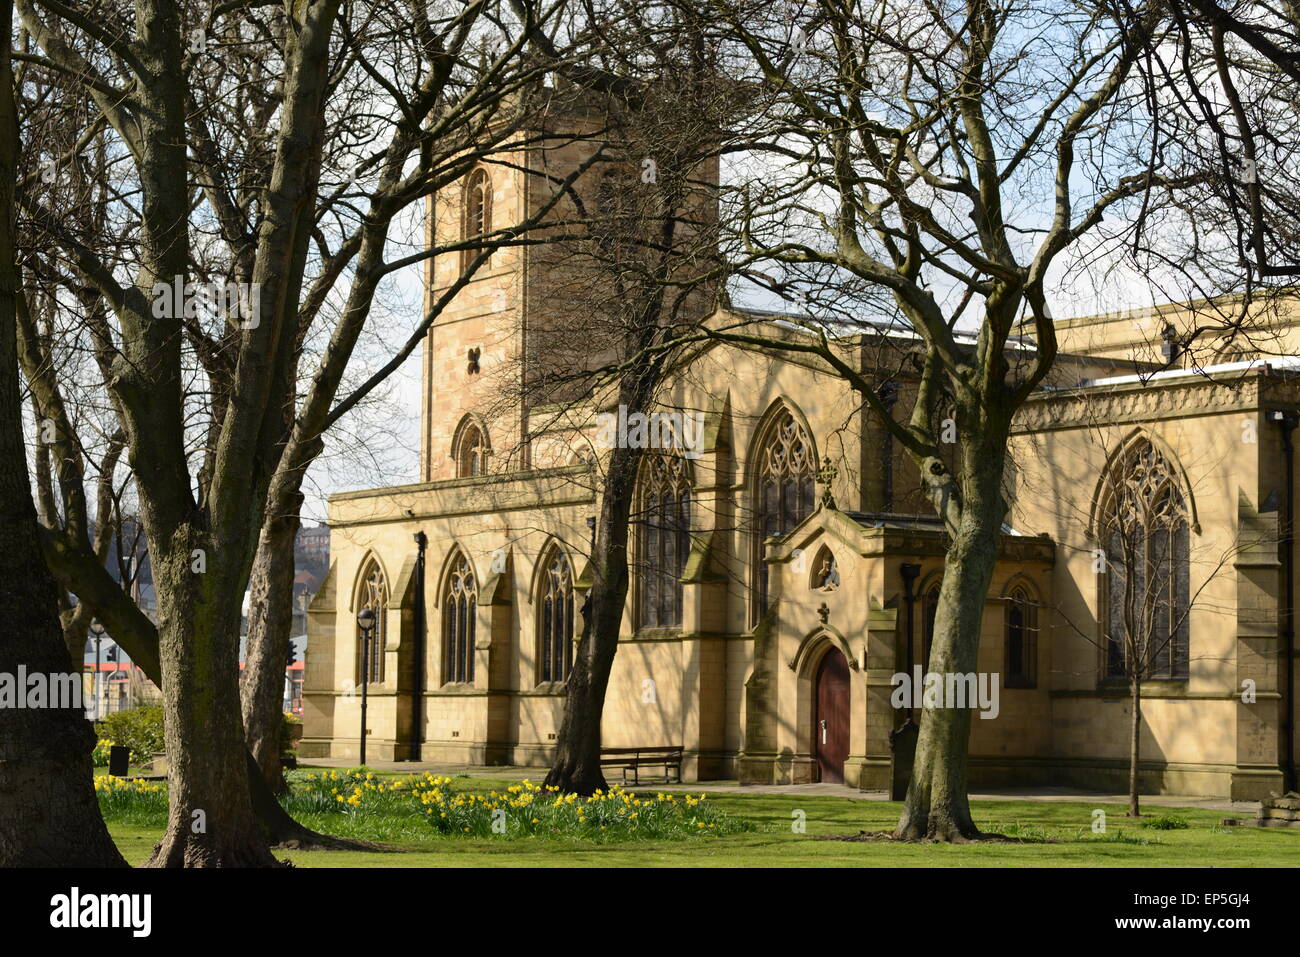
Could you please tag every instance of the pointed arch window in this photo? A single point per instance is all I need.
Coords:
(664, 540)
(470, 452)
(1020, 634)
(459, 611)
(478, 210)
(784, 492)
(555, 618)
(373, 595)
(1145, 527)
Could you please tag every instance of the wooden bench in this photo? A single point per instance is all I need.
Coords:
(634, 759)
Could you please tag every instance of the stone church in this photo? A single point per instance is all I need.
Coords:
(785, 567)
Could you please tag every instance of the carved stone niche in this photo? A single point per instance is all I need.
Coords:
(825, 573)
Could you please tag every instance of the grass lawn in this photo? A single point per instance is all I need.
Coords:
(1046, 834)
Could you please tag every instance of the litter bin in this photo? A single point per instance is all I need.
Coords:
(119, 759)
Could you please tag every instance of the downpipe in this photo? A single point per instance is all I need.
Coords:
(1287, 422)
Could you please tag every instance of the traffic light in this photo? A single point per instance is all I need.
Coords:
(292, 655)
(110, 654)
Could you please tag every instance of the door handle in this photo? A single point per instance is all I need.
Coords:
(823, 730)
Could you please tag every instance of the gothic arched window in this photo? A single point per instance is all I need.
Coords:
(1144, 527)
(1020, 633)
(459, 607)
(373, 595)
(664, 541)
(478, 209)
(784, 494)
(555, 618)
(470, 451)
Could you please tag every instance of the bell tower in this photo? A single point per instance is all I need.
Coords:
(472, 351)
(527, 310)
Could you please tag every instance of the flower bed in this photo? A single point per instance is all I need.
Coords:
(359, 803)
(521, 810)
(131, 800)
(99, 756)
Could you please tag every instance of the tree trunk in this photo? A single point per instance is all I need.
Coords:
(210, 821)
(270, 620)
(937, 807)
(138, 636)
(577, 754)
(281, 830)
(49, 815)
(1134, 744)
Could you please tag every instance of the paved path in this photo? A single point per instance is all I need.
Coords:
(514, 773)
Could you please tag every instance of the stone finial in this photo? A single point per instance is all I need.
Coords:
(826, 477)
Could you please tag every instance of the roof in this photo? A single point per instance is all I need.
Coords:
(1285, 363)
(899, 329)
(930, 523)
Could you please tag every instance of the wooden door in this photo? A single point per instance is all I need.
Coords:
(831, 717)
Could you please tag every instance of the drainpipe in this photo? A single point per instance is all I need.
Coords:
(902, 740)
(417, 702)
(1287, 422)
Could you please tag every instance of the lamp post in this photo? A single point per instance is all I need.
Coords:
(97, 630)
(366, 622)
(111, 656)
(421, 627)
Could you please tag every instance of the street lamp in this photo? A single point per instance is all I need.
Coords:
(97, 630)
(366, 622)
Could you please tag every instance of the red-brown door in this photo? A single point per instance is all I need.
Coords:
(831, 718)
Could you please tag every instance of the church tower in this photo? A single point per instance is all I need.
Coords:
(515, 317)
(475, 344)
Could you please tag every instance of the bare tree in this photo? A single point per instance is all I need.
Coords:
(1231, 72)
(1220, 81)
(947, 155)
(230, 188)
(640, 265)
(481, 115)
(76, 438)
(49, 815)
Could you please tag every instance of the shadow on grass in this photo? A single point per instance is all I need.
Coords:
(887, 837)
(328, 842)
